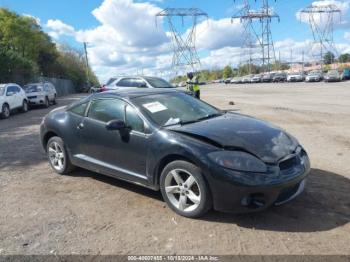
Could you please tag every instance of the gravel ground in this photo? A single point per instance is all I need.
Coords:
(86, 213)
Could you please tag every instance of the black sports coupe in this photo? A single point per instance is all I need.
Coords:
(198, 156)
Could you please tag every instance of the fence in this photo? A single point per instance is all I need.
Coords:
(63, 86)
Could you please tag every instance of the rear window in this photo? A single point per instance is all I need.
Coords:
(158, 82)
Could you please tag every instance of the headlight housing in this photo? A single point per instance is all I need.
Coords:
(238, 160)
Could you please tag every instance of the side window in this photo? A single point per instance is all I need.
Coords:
(125, 82)
(107, 110)
(10, 89)
(17, 89)
(79, 109)
(46, 88)
(138, 83)
(133, 120)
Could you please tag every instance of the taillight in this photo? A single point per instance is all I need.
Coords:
(103, 89)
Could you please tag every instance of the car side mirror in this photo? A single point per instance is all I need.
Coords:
(10, 93)
(115, 125)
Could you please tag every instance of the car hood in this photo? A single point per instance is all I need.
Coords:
(233, 131)
(35, 94)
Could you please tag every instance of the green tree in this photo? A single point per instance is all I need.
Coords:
(328, 58)
(344, 58)
(227, 72)
(27, 52)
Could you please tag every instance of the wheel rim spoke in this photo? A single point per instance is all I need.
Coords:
(172, 189)
(190, 181)
(193, 197)
(182, 202)
(177, 177)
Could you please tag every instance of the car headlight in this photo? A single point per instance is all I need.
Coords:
(238, 160)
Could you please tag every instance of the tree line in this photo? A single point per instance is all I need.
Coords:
(228, 72)
(27, 52)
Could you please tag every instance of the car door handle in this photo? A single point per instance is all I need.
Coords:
(80, 126)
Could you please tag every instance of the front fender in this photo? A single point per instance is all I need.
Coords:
(167, 146)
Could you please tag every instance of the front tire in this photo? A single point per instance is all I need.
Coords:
(24, 108)
(185, 190)
(58, 156)
(5, 111)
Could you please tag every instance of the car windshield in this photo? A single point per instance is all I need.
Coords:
(175, 108)
(158, 82)
(33, 88)
(2, 90)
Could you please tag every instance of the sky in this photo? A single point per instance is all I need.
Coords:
(123, 37)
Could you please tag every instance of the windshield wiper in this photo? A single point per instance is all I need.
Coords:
(193, 121)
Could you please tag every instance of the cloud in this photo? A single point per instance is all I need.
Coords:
(59, 28)
(216, 34)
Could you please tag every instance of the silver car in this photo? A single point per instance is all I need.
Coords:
(42, 94)
(117, 83)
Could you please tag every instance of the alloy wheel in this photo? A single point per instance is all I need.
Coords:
(56, 156)
(182, 190)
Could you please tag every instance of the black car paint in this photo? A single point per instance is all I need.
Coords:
(139, 157)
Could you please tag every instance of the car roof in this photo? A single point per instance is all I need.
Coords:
(130, 93)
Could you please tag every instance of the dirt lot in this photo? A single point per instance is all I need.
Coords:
(43, 213)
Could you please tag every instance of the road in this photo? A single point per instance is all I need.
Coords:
(86, 213)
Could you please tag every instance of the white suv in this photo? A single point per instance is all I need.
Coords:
(12, 96)
(41, 94)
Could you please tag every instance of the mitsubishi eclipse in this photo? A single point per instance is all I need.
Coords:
(198, 156)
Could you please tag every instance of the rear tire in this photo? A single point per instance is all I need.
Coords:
(58, 157)
(185, 190)
(47, 102)
(5, 111)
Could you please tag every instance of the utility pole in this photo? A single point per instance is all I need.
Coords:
(303, 61)
(87, 64)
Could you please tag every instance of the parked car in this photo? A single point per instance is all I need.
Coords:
(266, 78)
(117, 83)
(199, 157)
(228, 81)
(236, 80)
(295, 77)
(247, 79)
(255, 79)
(279, 77)
(314, 76)
(345, 75)
(12, 97)
(332, 76)
(41, 94)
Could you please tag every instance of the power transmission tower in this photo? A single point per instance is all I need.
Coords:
(257, 25)
(184, 43)
(321, 19)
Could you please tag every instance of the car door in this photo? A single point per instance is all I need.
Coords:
(112, 152)
(11, 96)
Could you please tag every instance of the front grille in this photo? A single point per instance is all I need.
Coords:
(31, 97)
(289, 163)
